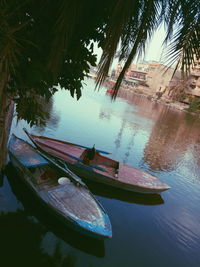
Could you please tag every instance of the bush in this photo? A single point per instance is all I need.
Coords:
(195, 105)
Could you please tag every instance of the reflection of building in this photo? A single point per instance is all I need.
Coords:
(169, 140)
(172, 139)
(171, 136)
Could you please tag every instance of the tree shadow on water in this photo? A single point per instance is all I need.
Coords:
(21, 240)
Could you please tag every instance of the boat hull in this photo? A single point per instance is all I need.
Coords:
(102, 179)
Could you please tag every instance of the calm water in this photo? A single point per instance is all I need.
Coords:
(158, 231)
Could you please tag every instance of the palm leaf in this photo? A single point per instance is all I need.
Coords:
(184, 47)
(147, 21)
(120, 17)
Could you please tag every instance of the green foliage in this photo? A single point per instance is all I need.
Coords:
(195, 105)
(181, 97)
(32, 110)
(35, 59)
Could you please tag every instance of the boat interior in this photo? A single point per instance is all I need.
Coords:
(74, 155)
(44, 175)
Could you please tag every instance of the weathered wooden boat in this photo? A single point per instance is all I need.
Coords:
(101, 169)
(67, 197)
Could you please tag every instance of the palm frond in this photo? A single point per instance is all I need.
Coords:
(120, 17)
(148, 21)
(184, 47)
(171, 14)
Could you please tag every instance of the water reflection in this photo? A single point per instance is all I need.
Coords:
(130, 145)
(145, 108)
(119, 135)
(34, 208)
(50, 117)
(129, 197)
(21, 243)
(170, 141)
(173, 137)
(104, 115)
(15, 227)
(1, 178)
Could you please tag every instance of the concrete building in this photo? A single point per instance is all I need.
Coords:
(186, 89)
(159, 77)
(142, 66)
(149, 77)
(194, 83)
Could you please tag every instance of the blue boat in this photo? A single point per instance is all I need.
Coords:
(62, 192)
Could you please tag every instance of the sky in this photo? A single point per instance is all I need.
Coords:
(154, 51)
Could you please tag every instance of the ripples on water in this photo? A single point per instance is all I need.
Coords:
(159, 230)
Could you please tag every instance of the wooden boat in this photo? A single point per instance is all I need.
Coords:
(67, 197)
(101, 169)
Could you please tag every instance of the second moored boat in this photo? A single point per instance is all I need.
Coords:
(99, 168)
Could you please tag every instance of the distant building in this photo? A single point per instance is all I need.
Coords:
(185, 89)
(159, 77)
(137, 75)
(150, 77)
(142, 66)
(194, 84)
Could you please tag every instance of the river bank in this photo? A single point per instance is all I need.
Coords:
(154, 97)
